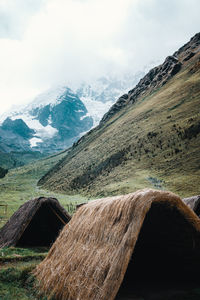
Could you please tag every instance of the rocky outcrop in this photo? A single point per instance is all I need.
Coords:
(18, 127)
(157, 76)
(188, 50)
(3, 172)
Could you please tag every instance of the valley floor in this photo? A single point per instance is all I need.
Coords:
(20, 185)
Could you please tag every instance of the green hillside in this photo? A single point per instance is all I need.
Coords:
(152, 140)
(20, 185)
(9, 160)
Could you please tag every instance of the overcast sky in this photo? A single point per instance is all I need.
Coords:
(44, 43)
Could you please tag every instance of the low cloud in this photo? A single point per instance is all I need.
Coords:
(50, 42)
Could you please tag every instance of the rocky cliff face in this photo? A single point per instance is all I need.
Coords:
(15, 135)
(157, 76)
(50, 123)
(18, 127)
(64, 121)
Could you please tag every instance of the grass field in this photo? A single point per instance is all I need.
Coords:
(16, 265)
(20, 185)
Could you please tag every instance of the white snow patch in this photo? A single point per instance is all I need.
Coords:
(96, 109)
(52, 96)
(44, 132)
(34, 141)
(72, 96)
(49, 120)
(100, 94)
(85, 116)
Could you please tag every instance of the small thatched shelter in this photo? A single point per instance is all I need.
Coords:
(36, 223)
(193, 203)
(147, 235)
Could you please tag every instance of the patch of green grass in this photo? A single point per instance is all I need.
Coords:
(20, 185)
(12, 254)
(15, 159)
(16, 266)
(17, 283)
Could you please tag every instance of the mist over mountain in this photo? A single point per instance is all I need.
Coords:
(57, 118)
(100, 94)
(149, 137)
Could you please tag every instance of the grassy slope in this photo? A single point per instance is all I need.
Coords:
(16, 159)
(20, 185)
(149, 144)
(16, 266)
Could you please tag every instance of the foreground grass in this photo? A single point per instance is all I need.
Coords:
(18, 283)
(20, 185)
(16, 280)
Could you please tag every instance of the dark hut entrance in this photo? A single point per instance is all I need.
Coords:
(165, 257)
(43, 228)
(197, 209)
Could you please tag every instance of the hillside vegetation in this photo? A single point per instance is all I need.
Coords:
(151, 140)
(20, 185)
(16, 159)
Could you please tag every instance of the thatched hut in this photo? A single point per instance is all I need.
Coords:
(36, 223)
(147, 235)
(193, 203)
(79, 205)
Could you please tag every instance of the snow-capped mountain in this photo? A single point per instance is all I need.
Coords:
(57, 118)
(54, 120)
(99, 95)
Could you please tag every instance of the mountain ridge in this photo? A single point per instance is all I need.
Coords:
(143, 143)
(47, 124)
(157, 76)
(58, 117)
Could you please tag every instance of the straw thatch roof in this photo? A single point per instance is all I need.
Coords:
(149, 231)
(36, 223)
(193, 203)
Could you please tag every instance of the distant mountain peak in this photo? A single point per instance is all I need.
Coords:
(59, 117)
(52, 122)
(100, 94)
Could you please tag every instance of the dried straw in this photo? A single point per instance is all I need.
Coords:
(14, 229)
(89, 259)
